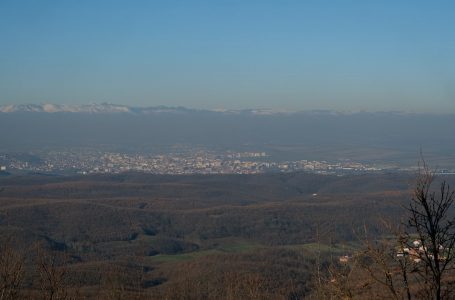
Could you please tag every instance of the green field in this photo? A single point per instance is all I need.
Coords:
(223, 248)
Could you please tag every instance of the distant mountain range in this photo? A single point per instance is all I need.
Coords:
(86, 108)
(108, 108)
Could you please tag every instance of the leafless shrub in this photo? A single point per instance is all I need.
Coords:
(53, 271)
(11, 271)
(382, 265)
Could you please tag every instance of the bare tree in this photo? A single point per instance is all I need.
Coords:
(419, 261)
(415, 261)
(429, 221)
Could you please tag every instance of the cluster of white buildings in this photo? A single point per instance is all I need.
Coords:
(416, 251)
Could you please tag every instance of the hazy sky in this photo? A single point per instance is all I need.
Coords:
(344, 55)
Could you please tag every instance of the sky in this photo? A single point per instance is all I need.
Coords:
(292, 55)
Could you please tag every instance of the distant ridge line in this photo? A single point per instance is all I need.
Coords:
(108, 108)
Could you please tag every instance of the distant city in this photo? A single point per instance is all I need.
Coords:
(188, 161)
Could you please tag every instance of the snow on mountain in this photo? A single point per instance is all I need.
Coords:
(56, 108)
(103, 108)
(107, 108)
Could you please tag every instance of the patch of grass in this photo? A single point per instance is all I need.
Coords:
(164, 258)
(237, 247)
(230, 246)
(241, 247)
(324, 248)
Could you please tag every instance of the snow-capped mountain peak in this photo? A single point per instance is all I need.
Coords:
(56, 108)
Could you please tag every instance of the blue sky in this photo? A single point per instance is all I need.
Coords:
(296, 55)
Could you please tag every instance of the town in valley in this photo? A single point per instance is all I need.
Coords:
(188, 161)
